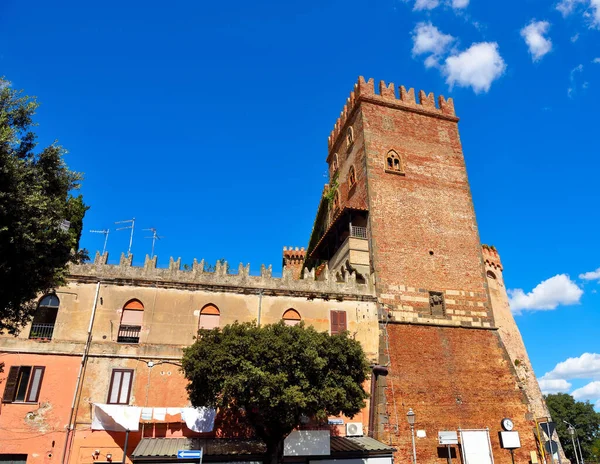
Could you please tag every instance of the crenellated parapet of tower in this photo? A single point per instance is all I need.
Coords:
(491, 257)
(387, 96)
(221, 278)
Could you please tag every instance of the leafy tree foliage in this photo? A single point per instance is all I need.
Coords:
(34, 200)
(586, 421)
(274, 375)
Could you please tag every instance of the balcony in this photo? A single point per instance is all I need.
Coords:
(129, 333)
(41, 331)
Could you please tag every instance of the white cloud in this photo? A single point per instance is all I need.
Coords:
(575, 38)
(426, 5)
(584, 367)
(549, 294)
(592, 275)
(591, 10)
(596, 60)
(476, 67)
(591, 391)
(534, 34)
(553, 385)
(572, 90)
(428, 39)
(459, 4)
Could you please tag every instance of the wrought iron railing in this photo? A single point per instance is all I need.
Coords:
(129, 333)
(41, 331)
(357, 231)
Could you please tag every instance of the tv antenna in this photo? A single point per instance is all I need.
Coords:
(105, 232)
(154, 238)
(132, 222)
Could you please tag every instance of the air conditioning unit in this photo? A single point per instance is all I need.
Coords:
(354, 429)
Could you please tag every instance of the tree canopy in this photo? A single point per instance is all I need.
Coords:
(584, 418)
(35, 200)
(272, 376)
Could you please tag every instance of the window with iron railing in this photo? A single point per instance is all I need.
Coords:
(129, 333)
(358, 231)
(42, 327)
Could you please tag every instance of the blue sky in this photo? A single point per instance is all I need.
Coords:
(209, 122)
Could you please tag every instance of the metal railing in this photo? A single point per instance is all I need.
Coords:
(129, 333)
(41, 331)
(357, 231)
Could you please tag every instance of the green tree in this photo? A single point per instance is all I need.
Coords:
(272, 376)
(586, 421)
(35, 199)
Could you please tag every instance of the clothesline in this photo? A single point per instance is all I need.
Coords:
(119, 418)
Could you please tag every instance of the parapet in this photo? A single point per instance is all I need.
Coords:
(220, 277)
(491, 256)
(294, 255)
(365, 90)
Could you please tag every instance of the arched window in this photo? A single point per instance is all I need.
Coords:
(291, 317)
(209, 317)
(351, 177)
(491, 275)
(44, 319)
(393, 162)
(334, 162)
(350, 136)
(131, 322)
(336, 201)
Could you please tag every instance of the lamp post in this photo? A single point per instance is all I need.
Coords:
(410, 416)
(573, 432)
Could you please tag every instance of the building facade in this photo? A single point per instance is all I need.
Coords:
(394, 257)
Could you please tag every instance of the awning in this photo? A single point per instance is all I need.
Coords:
(220, 449)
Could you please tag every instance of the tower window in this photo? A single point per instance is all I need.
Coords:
(393, 163)
(437, 305)
(352, 177)
(491, 275)
(334, 163)
(350, 137)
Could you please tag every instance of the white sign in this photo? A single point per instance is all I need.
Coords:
(476, 447)
(510, 440)
(421, 434)
(448, 438)
(307, 443)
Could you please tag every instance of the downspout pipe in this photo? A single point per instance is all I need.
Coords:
(377, 371)
(78, 385)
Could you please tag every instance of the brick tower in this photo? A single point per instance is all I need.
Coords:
(398, 212)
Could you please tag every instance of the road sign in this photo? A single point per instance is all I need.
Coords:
(551, 447)
(448, 438)
(548, 428)
(189, 454)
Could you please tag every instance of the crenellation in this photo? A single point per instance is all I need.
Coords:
(365, 91)
(197, 276)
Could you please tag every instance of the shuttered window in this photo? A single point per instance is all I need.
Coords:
(338, 322)
(120, 386)
(23, 384)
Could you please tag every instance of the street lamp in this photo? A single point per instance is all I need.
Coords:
(410, 416)
(573, 432)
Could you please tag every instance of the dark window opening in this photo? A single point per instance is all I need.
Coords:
(491, 275)
(42, 327)
(23, 384)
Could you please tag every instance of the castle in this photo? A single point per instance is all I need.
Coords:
(394, 257)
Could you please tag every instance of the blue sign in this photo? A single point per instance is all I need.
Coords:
(189, 454)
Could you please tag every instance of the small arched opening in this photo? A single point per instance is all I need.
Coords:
(42, 327)
(291, 317)
(131, 322)
(210, 317)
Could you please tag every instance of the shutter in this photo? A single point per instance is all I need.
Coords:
(334, 322)
(342, 321)
(11, 385)
(36, 383)
(132, 317)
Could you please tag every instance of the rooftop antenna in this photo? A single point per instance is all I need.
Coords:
(132, 222)
(105, 232)
(154, 238)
